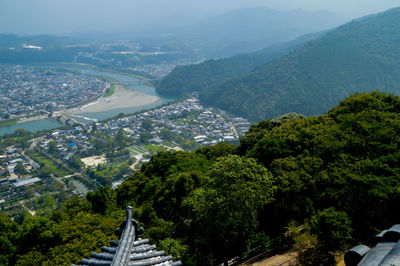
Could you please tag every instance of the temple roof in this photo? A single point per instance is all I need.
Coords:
(385, 252)
(130, 250)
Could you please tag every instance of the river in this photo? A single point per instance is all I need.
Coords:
(42, 124)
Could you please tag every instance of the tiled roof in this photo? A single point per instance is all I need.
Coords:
(385, 252)
(130, 249)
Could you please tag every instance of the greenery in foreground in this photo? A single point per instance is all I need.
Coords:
(336, 174)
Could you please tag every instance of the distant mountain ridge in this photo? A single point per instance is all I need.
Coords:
(250, 29)
(12, 40)
(363, 55)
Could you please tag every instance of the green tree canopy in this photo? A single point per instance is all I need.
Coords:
(226, 209)
(52, 147)
(20, 168)
(147, 124)
(75, 162)
(333, 228)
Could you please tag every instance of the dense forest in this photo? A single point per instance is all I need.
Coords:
(189, 78)
(360, 56)
(335, 176)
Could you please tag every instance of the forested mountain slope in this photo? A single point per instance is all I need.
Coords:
(363, 55)
(336, 174)
(189, 78)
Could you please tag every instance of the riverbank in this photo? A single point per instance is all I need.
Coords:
(8, 122)
(144, 97)
(120, 99)
(32, 118)
(15, 121)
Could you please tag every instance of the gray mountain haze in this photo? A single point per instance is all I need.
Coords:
(250, 29)
(234, 32)
(66, 16)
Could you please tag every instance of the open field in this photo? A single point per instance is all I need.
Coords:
(154, 148)
(52, 166)
(94, 160)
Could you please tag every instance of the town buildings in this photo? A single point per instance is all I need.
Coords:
(28, 91)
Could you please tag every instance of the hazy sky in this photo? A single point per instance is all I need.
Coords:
(65, 16)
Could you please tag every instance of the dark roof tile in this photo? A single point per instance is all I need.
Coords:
(385, 252)
(355, 255)
(130, 249)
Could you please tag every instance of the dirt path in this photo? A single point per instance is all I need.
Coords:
(285, 259)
